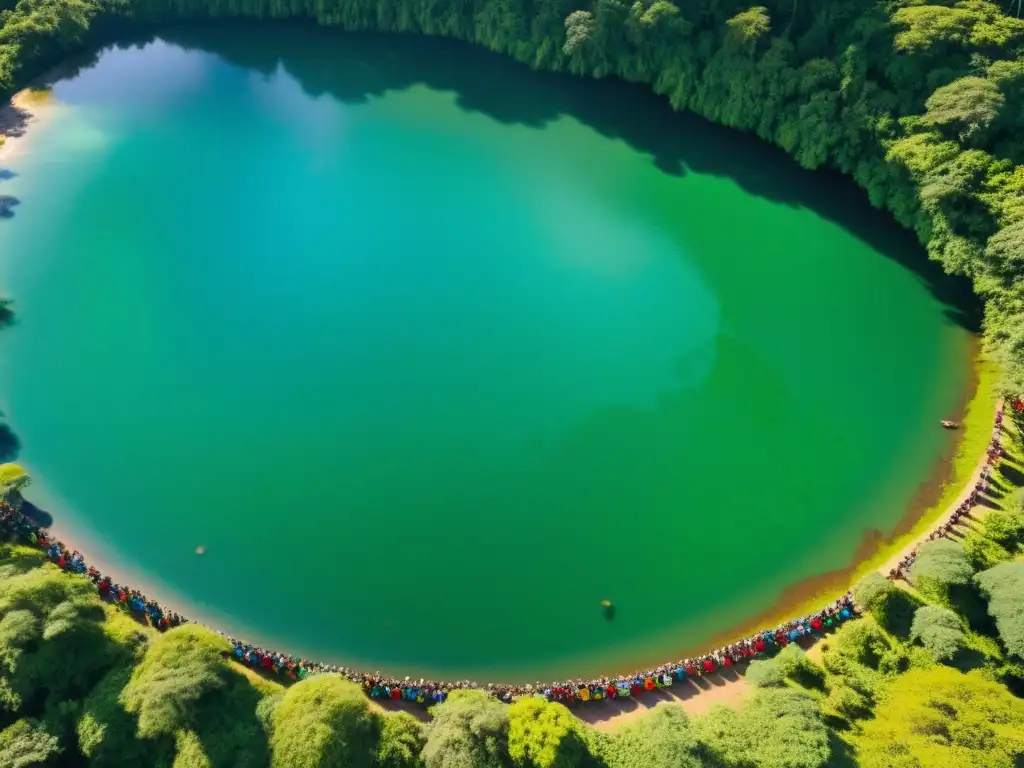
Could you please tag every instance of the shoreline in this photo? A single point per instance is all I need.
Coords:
(877, 550)
(32, 105)
(728, 657)
(26, 109)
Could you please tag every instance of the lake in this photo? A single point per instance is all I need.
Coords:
(433, 353)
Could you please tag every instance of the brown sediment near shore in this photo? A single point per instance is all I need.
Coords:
(813, 592)
(944, 469)
(729, 687)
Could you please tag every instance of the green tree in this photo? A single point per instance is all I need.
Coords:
(662, 738)
(965, 107)
(13, 478)
(794, 664)
(543, 734)
(325, 722)
(401, 741)
(776, 728)
(178, 670)
(107, 734)
(869, 589)
(942, 717)
(940, 564)
(1004, 588)
(25, 744)
(939, 630)
(765, 673)
(469, 730)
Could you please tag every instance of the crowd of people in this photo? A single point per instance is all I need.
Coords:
(994, 453)
(764, 643)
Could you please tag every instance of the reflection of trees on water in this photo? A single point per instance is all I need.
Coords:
(361, 67)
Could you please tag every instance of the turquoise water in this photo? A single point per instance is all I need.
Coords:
(433, 353)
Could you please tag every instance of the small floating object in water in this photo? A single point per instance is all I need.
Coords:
(948, 424)
(201, 550)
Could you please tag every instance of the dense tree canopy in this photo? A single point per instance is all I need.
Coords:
(940, 564)
(25, 744)
(1004, 587)
(324, 721)
(178, 670)
(469, 730)
(662, 738)
(921, 104)
(777, 728)
(939, 630)
(543, 735)
(941, 717)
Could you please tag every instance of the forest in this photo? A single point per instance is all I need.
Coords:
(931, 675)
(921, 104)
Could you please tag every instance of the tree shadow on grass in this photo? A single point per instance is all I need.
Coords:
(967, 659)
(894, 612)
(967, 601)
(841, 754)
(228, 728)
(1013, 474)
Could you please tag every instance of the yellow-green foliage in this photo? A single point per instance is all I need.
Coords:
(469, 730)
(775, 728)
(939, 630)
(324, 722)
(12, 477)
(178, 670)
(942, 717)
(401, 741)
(543, 734)
(1004, 586)
(27, 743)
(663, 738)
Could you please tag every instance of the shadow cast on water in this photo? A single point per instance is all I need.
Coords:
(363, 66)
(10, 445)
(40, 517)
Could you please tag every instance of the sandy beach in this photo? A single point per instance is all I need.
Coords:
(25, 109)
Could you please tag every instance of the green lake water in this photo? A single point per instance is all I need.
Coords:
(434, 353)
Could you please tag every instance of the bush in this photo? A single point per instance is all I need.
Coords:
(938, 629)
(848, 702)
(943, 717)
(1004, 588)
(543, 735)
(940, 563)
(869, 589)
(776, 728)
(894, 612)
(179, 668)
(663, 738)
(324, 722)
(401, 742)
(860, 641)
(795, 665)
(469, 730)
(106, 731)
(26, 743)
(1005, 527)
(765, 673)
